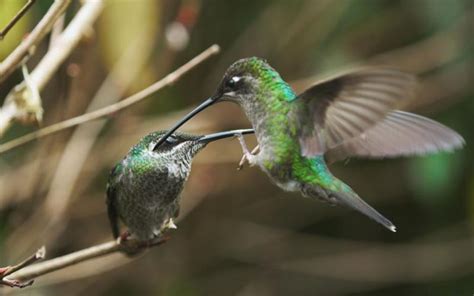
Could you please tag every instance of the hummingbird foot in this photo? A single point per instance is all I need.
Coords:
(4, 270)
(123, 237)
(248, 156)
(131, 245)
(244, 158)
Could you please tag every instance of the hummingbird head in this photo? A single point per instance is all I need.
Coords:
(179, 143)
(244, 82)
(250, 79)
(174, 145)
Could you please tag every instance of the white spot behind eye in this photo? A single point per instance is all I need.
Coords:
(236, 79)
(171, 139)
(231, 85)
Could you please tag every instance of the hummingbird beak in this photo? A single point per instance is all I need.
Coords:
(222, 135)
(190, 115)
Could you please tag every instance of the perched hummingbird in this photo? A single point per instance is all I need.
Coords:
(352, 114)
(144, 188)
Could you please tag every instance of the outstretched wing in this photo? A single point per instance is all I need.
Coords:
(400, 133)
(341, 108)
(111, 201)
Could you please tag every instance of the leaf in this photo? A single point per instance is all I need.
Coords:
(435, 178)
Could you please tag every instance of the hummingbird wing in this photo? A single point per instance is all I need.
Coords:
(400, 133)
(112, 211)
(341, 108)
(111, 201)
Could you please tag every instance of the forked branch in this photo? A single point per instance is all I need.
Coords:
(15, 283)
(28, 45)
(24, 276)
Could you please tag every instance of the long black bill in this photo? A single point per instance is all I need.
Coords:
(190, 115)
(226, 134)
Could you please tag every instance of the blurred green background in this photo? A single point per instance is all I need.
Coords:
(238, 233)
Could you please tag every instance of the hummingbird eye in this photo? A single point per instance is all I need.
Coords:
(232, 82)
(171, 140)
(168, 143)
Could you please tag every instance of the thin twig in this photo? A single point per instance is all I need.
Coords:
(29, 43)
(28, 261)
(167, 80)
(15, 283)
(65, 43)
(16, 18)
(48, 266)
(62, 47)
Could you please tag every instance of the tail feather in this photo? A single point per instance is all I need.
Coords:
(352, 200)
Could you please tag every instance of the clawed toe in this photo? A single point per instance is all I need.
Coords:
(123, 237)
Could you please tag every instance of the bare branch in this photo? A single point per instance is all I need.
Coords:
(62, 47)
(56, 31)
(166, 81)
(5, 271)
(16, 18)
(65, 43)
(29, 43)
(29, 273)
(28, 261)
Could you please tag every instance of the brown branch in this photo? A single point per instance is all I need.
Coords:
(29, 273)
(57, 31)
(15, 283)
(29, 43)
(16, 18)
(64, 44)
(166, 81)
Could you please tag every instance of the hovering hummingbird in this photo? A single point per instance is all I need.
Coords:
(353, 114)
(144, 188)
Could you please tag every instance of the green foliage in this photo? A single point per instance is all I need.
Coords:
(435, 178)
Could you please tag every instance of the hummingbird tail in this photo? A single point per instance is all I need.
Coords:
(352, 200)
(346, 196)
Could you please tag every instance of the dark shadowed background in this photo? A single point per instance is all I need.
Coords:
(238, 234)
